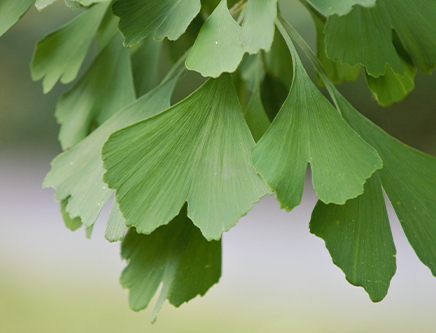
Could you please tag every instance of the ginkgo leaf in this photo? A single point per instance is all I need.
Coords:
(359, 239)
(72, 224)
(41, 4)
(145, 65)
(176, 255)
(116, 226)
(339, 7)
(107, 30)
(364, 36)
(60, 54)
(78, 172)
(308, 129)
(72, 4)
(168, 18)
(335, 70)
(408, 179)
(11, 11)
(391, 87)
(258, 27)
(197, 151)
(217, 48)
(105, 88)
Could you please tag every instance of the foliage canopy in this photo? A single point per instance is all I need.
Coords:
(184, 173)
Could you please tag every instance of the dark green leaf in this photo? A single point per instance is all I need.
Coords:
(197, 151)
(60, 54)
(105, 88)
(11, 11)
(72, 224)
(217, 48)
(359, 239)
(308, 129)
(258, 27)
(78, 172)
(176, 255)
(168, 18)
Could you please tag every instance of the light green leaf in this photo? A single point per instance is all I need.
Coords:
(105, 88)
(61, 53)
(359, 239)
(339, 7)
(408, 179)
(391, 87)
(217, 48)
(11, 11)
(308, 129)
(78, 172)
(175, 255)
(107, 30)
(364, 36)
(335, 70)
(198, 152)
(414, 23)
(258, 27)
(145, 65)
(72, 224)
(72, 4)
(169, 18)
(41, 4)
(116, 225)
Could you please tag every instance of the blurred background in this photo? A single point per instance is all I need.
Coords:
(277, 277)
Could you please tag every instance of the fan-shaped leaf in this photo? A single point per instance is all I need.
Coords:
(78, 172)
(197, 152)
(217, 48)
(309, 130)
(258, 28)
(61, 53)
(176, 255)
(168, 18)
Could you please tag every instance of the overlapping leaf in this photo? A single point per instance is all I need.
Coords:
(365, 35)
(105, 88)
(60, 54)
(258, 27)
(339, 7)
(217, 48)
(176, 255)
(197, 152)
(167, 18)
(11, 11)
(73, 223)
(359, 239)
(116, 226)
(78, 172)
(391, 87)
(309, 130)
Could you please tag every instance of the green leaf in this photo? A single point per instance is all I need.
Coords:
(308, 129)
(169, 18)
(60, 54)
(116, 225)
(364, 36)
(145, 65)
(198, 152)
(175, 255)
(107, 30)
(335, 70)
(217, 48)
(414, 23)
(78, 172)
(359, 239)
(339, 7)
(72, 4)
(41, 4)
(407, 178)
(11, 11)
(258, 27)
(72, 224)
(105, 88)
(391, 87)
